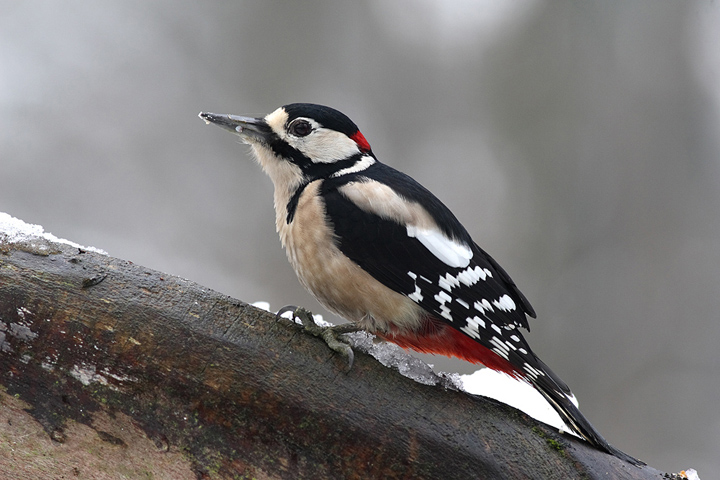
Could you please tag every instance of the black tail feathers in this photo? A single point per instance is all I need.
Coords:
(559, 396)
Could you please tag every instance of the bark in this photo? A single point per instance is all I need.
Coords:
(111, 370)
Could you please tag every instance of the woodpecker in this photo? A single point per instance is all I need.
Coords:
(378, 249)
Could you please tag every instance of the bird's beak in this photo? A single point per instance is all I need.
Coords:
(249, 129)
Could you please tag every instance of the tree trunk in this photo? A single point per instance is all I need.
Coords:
(112, 370)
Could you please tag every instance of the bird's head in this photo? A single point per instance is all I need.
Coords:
(300, 142)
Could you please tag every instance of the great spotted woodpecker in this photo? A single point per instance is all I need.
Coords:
(378, 249)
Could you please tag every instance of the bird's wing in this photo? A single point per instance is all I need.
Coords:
(400, 243)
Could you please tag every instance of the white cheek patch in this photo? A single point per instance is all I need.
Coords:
(452, 253)
(324, 145)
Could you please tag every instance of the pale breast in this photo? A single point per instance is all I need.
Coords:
(336, 281)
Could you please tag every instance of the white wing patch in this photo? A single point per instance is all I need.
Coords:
(452, 253)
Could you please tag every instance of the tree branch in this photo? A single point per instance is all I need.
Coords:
(95, 344)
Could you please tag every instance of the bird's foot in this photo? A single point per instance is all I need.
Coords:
(328, 334)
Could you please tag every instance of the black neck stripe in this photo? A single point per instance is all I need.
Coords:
(293, 203)
(316, 171)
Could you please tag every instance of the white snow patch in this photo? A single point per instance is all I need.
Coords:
(392, 356)
(16, 231)
(691, 474)
(262, 305)
(518, 394)
(319, 321)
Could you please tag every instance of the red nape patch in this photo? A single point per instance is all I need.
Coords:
(361, 142)
(444, 340)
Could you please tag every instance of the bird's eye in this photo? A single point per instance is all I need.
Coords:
(300, 128)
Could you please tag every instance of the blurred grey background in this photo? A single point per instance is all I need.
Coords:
(577, 141)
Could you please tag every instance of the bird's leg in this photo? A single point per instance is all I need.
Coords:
(328, 334)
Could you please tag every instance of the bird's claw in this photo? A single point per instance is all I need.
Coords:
(328, 334)
(284, 310)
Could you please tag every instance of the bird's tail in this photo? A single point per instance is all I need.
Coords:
(439, 338)
(559, 396)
